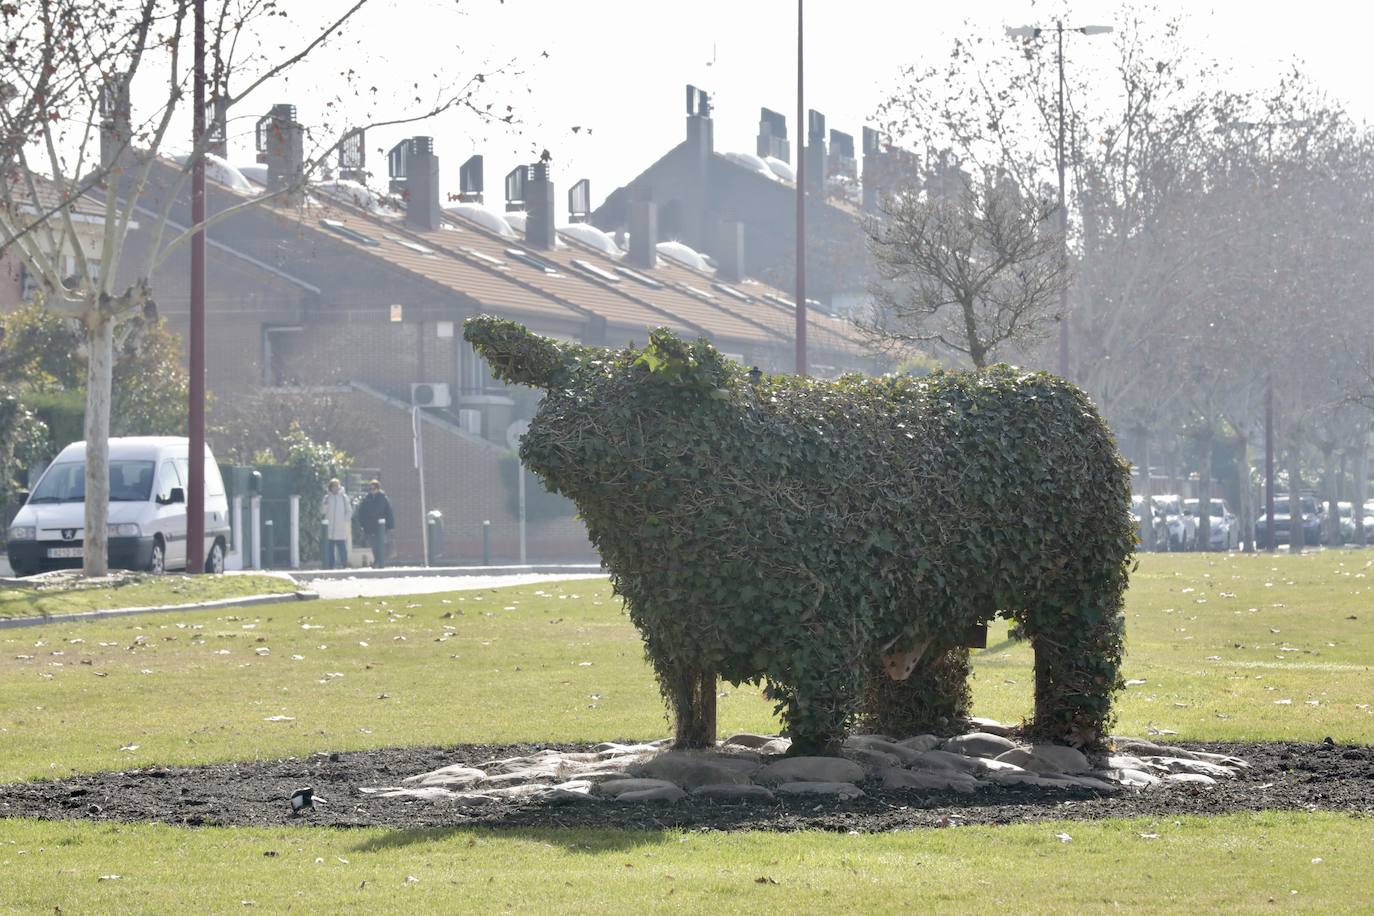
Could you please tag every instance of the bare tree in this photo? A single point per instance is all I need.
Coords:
(971, 266)
(74, 151)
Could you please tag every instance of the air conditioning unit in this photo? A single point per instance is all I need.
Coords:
(429, 394)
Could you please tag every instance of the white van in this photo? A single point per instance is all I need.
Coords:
(147, 519)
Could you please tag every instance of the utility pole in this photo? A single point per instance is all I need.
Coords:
(801, 206)
(1026, 33)
(1063, 214)
(195, 484)
(1269, 534)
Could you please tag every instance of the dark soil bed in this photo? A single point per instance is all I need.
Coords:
(1321, 777)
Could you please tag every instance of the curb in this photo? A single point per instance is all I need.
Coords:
(247, 601)
(406, 572)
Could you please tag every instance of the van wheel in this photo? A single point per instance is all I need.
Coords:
(157, 562)
(214, 560)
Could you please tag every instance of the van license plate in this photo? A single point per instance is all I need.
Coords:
(60, 553)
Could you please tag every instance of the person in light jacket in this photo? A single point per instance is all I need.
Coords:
(337, 513)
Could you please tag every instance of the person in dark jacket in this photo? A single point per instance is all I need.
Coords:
(374, 510)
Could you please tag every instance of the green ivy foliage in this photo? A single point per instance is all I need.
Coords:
(787, 532)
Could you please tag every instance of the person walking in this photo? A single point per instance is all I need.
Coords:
(374, 512)
(337, 513)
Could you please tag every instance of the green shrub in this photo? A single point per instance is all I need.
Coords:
(788, 532)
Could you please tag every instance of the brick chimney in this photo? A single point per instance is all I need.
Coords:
(539, 207)
(730, 251)
(643, 231)
(115, 131)
(422, 185)
(281, 147)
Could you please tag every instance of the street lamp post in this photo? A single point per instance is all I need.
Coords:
(1028, 32)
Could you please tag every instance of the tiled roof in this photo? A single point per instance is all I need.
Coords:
(572, 284)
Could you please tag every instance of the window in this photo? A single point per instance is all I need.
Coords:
(214, 484)
(475, 374)
(167, 480)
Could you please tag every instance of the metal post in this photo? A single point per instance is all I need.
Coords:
(294, 502)
(801, 206)
(417, 421)
(486, 542)
(269, 537)
(325, 556)
(255, 525)
(195, 484)
(521, 468)
(1063, 218)
(381, 543)
(1270, 534)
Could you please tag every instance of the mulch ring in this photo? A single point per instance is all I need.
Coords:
(1311, 777)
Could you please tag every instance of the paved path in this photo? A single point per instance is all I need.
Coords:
(424, 585)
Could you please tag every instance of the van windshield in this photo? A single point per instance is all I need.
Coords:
(65, 482)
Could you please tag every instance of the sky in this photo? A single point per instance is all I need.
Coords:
(616, 69)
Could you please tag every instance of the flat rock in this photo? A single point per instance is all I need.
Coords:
(1047, 758)
(1176, 765)
(521, 777)
(978, 744)
(906, 755)
(617, 787)
(998, 765)
(810, 769)
(669, 794)
(931, 780)
(730, 791)
(828, 789)
(1089, 782)
(1193, 778)
(1142, 748)
(749, 740)
(427, 793)
(991, 726)
(526, 791)
(457, 776)
(690, 769)
(777, 746)
(1023, 778)
(871, 757)
(921, 743)
(945, 760)
(1128, 776)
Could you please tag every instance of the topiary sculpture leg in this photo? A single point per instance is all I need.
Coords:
(1077, 670)
(692, 694)
(934, 699)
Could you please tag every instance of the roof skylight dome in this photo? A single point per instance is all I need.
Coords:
(489, 220)
(593, 237)
(683, 254)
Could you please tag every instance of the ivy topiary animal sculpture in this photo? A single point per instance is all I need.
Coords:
(791, 531)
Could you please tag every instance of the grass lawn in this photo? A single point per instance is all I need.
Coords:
(151, 591)
(1227, 647)
(1250, 863)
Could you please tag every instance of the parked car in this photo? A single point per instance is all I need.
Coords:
(1223, 528)
(1182, 528)
(147, 514)
(1347, 521)
(1158, 526)
(1311, 522)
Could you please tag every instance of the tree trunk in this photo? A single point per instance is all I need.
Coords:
(694, 710)
(1295, 531)
(1147, 509)
(1246, 508)
(1333, 511)
(99, 368)
(1361, 469)
(1204, 496)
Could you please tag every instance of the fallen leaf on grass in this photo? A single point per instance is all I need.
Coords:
(766, 880)
(1149, 836)
(280, 719)
(1063, 838)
